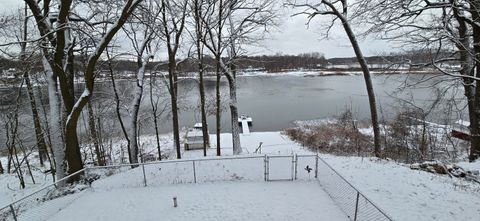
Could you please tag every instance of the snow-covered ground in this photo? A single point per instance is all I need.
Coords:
(10, 187)
(403, 193)
(212, 201)
(407, 194)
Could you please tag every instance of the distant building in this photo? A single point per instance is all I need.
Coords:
(11, 73)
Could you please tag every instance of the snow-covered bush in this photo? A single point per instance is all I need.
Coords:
(339, 137)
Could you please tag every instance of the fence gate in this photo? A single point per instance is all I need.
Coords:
(280, 168)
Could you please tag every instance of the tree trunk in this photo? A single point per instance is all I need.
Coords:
(198, 25)
(93, 135)
(135, 109)
(46, 131)
(57, 147)
(474, 120)
(155, 119)
(41, 145)
(72, 150)
(206, 138)
(218, 58)
(172, 66)
(218, 111)
(117, 104)
(237, 149)
(369, 86)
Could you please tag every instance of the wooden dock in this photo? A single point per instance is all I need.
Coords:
(245, 121)
(245, 128)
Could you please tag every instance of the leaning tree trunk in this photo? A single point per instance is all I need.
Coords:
(117, 103)
(368, 83)
(41, 145)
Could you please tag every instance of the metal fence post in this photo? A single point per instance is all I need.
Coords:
(144, 176)
(356, 207)
(13, 212)
(265, 167)
(194, 172)
(295, 167)
(316, 166)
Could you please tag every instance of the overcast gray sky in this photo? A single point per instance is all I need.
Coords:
(291, 37)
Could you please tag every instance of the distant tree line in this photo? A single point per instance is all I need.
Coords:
(269, 63)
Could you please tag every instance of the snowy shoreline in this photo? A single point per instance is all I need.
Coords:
(295, 73)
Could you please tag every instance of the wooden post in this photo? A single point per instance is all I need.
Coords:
(316, 167)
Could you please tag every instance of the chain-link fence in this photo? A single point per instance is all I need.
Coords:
(40, 204)
(346, 196)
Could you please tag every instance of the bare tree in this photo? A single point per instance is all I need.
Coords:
(58, 37)
(99, 153)
(237, 24)
(145, 21)
(448, 32)
(173, 16)
(199, 34)
(42, 147)
(156, 112)
(338, 10)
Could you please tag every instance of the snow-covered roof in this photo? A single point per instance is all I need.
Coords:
(193, 132)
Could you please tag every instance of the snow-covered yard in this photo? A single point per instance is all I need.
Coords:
(301, 200)
(407, 194)
(402, 193)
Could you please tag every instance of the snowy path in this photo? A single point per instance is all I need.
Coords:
(261, 201)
